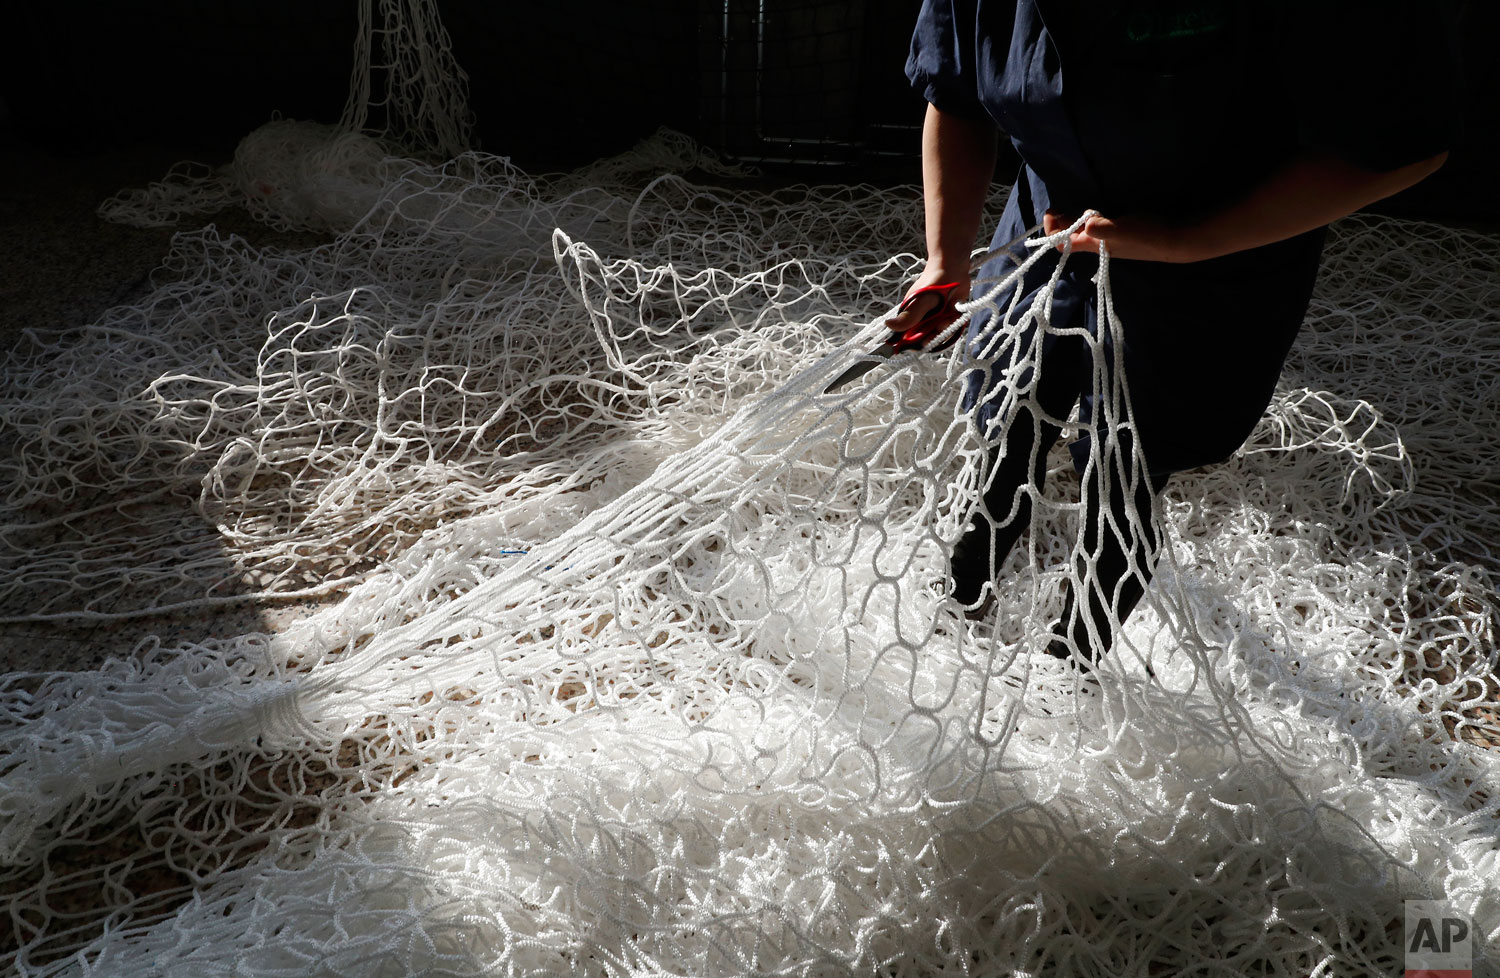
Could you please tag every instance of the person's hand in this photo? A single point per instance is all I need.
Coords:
(933, 274)
(1124, 237)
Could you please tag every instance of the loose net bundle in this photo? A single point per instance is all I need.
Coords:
(639, 655)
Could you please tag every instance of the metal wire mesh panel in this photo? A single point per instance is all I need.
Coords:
(807, 81)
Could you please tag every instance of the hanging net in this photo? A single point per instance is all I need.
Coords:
(636, 651)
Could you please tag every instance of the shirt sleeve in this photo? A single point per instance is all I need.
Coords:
(941, 65)
(1376, 82)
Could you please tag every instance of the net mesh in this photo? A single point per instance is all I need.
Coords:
(638, 654)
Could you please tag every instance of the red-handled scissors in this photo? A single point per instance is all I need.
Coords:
(915, 338)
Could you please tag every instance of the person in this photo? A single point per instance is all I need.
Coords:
(1210, 142)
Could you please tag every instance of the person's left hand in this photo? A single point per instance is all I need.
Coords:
(1124, 237)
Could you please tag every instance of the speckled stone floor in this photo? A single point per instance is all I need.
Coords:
(61, 266)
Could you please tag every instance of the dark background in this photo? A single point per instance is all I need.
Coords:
(800, 87)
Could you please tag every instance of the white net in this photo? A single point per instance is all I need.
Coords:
(638, 655)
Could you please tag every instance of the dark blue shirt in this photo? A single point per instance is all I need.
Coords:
(1169, 109)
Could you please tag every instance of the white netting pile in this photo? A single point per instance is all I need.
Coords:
(638, 656)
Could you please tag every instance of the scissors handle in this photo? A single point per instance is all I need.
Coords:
(920, 333)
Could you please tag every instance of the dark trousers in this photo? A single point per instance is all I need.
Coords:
(1117, 538)
(1201, 346)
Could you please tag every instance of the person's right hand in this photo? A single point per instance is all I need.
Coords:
(933, 274)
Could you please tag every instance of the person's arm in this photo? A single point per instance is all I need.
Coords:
(958, 163)
(1306, 194)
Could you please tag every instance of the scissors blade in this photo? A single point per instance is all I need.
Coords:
(864, 365)
(917, 337)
